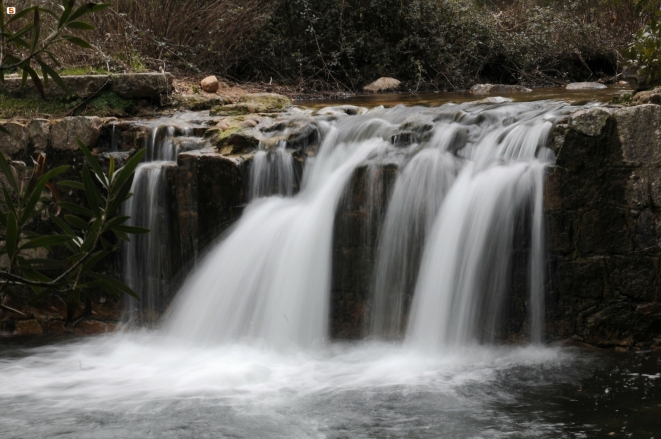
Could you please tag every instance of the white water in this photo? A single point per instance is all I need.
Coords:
(144, 265)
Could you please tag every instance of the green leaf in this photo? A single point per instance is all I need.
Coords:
(35, 196)
(128, 170)
(88, 9)
(117, 221)
(93, 260)
(75, 221)
(88, 244)
(68, 9)
(80, 25)
(132, 230)
(77, 41)
(121, 235)
(8, 200)
(121, 196)
(21, 14)
(92, 193)
(6, 169)
(45, 264)
(45, 241)
(35, 78)
(53, 74)
(93, 162)
(76, 208)
(36, 32)
(115, 284)
(73, 184)
(11, 235)
(49, 12)
(20, 33)
(62, 225)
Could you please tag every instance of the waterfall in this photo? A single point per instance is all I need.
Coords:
(469, 177)
(145, 265)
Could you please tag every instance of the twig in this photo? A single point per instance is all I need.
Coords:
(90, 97)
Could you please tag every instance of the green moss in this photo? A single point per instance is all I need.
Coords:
(109, 103)
(71, 71)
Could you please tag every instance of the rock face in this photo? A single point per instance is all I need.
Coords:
(66, 131)
(201, 102)
(130, 86)
(585, 86)
(16, 141)
(485, 89)
(382, 84)
(602, 202)
(210, 84)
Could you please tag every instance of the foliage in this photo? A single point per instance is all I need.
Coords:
(440, 44)
(644, 54)
(26, 49)
(84, 231)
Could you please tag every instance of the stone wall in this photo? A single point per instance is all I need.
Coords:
(603, 204)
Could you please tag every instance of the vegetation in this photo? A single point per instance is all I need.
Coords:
(83, 231)
(644, 53)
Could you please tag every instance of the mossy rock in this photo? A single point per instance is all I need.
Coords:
(254, 103)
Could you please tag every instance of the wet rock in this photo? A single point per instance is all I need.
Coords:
(16, 141)
(91, 327)
(635, 80)
(39, 134)
(230, 136)
(639, 133)
(297, 133)
(484, 89)
(493, 100)
(585, 86)
(648, 97)
(28, 327)
(382, 84)
(340, 110)
(65, 132)
(210, 84)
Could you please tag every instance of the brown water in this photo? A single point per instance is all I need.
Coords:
(440, 98)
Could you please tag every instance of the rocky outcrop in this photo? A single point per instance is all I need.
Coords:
(382, 84)
(585, 86)
(603, 203)
(65, 132)
(485, 89)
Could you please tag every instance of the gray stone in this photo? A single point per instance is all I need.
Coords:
(485, 89)
(647, 97)
(254, 103)
(382, 84)
(39, 134)
(639, 131)
(142, 85)
(65, 132)
(80, 86)
(201, 102)
(589, 122)
(15, 142)
(585, 86)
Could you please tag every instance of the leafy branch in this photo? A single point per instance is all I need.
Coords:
(27, 46)
(83, 233)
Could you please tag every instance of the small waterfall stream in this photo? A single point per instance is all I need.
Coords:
(444, 256)
(144, 259)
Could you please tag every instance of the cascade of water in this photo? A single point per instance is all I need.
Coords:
(416, 198)
(144, 259)
(272, 172)
(467, 172)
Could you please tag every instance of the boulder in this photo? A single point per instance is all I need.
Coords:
(15, 142)
(585, 86)
(648, 97)
(382, 84)
(142, 85)
(80, 86)
(65, 132)
(210, 84)
(589, 122)
(485, 89)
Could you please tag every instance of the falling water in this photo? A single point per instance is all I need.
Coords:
(272, 172)
(144, 259)
(466, 174)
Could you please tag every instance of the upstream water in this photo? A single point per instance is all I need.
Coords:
(245, 352)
